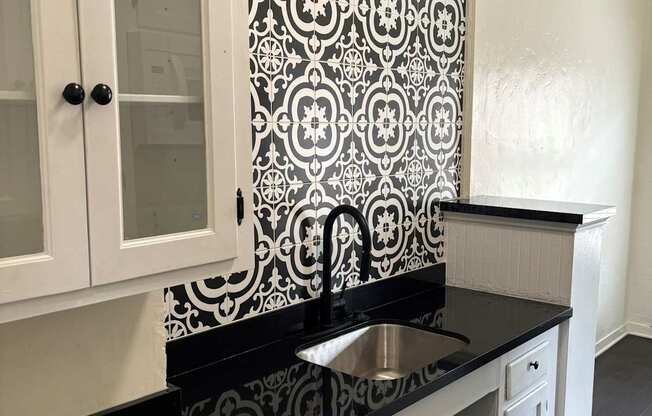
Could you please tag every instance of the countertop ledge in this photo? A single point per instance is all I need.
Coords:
(273, 381)
(529, 209)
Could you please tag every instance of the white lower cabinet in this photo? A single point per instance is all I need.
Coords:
(534, 404)
(530, 377)
(522, 382)
(527, 370)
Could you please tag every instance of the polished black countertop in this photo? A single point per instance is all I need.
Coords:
(271, 380)
(529, 209)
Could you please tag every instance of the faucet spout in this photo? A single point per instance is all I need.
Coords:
(326, 298)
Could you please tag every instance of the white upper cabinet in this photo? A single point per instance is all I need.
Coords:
(161, 155)
(140, 181)
(43, 227)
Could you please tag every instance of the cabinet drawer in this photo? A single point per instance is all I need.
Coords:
(526, 370)
(534, 404)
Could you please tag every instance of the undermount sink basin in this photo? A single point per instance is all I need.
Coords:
(384, 351)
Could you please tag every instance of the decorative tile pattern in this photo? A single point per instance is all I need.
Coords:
(353, 102)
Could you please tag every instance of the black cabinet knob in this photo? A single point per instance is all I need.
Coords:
(102, 94)
(74, 93)
(535, 365)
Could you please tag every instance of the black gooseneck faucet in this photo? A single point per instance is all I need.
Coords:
(326, 299)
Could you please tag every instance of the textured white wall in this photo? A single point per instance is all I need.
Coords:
(555, 103)
(640, 269)
(83, 360)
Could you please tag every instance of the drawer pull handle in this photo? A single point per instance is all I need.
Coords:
(534, 365)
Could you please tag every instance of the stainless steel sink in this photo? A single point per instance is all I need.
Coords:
(384, 351)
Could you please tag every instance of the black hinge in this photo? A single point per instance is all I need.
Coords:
(239, 200)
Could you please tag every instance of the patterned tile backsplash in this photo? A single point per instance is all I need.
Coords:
(353, 102)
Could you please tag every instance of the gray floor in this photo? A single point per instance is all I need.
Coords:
(623, 379)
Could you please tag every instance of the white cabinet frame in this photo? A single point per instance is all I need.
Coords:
(112, 258)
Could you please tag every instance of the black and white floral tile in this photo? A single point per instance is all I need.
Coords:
(353, 102)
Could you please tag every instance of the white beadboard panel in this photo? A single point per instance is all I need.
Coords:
(549, 262)
(531, 263)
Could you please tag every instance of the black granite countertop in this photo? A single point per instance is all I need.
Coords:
(271, 380)
(530, 209)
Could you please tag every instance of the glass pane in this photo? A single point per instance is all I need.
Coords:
(161, 116)
(21, 208)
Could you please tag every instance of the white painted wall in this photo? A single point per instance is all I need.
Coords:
(555, 103)
(640, 270)
(83, 360)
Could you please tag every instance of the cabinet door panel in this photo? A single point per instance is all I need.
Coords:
(43, 234)
(534, 404)
(161, 156)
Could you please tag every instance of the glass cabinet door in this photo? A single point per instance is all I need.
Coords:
(21, 205)
(160, 146)
(43, 243)
(161, 115)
